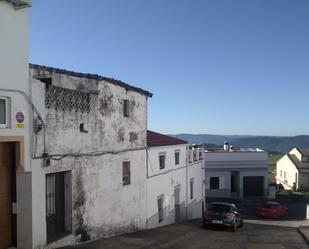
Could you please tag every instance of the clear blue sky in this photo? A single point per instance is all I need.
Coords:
(215, 67)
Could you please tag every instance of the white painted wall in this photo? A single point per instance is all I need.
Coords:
(15, 76)
(246, 163)
(163, 182)
(286, 171)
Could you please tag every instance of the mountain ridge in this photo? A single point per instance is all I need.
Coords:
(281, 144)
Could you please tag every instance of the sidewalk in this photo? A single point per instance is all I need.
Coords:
(304, 231)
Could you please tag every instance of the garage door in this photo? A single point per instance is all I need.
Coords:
(253, 185)
(5, 195)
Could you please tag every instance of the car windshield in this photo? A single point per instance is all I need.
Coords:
(220, 208)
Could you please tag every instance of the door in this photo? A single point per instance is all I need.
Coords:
(55, 206)
(177, 204)
(253, 185)
(5, 196)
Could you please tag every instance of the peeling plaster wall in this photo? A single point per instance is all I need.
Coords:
(101, 206)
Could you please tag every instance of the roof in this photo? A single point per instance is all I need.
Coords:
(155, 139)
(303, 152)
(222, 150)
(298, 164)
(91, 76)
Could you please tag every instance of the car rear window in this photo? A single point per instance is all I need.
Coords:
(220, 208)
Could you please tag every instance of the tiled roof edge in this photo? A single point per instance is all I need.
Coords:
(92, 76)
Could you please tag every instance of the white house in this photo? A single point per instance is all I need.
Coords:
(293, 169)
(231, 172)
(174, 180)
(15, 121)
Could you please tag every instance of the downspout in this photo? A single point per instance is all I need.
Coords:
(187, 164)
(146, 213)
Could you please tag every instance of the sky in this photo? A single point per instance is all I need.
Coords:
(233, 67)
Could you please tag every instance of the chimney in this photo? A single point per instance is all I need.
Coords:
(226, 146)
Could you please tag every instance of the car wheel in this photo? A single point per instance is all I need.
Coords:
(234, 226)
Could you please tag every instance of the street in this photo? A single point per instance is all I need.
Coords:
(191, 235)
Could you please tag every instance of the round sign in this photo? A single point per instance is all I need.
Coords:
(20, 117)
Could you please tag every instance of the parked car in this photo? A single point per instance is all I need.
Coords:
(222, 214)
(272, 209)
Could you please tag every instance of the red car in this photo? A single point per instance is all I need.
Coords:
(272, 210)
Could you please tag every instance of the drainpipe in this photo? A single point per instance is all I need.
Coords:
(146, 213)
(187, 164)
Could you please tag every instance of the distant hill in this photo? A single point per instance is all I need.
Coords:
(269, 143)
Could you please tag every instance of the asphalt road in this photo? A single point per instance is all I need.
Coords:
(191, 235)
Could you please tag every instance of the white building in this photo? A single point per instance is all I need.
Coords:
(293, 169)
(15, 122)
(174, 180)
(89, 156)
(233, 172)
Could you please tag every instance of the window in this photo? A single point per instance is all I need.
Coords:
(191, 188)
(4, 112)
(162, 160)
(280, 173)
(200, 154)
(177, 154)
(160, 208)
(126, 173)
(214, 182)
(284, 174)
(126, 108)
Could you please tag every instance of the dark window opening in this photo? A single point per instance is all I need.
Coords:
(126, 108)
(191, 188)
(162, 161)
(177, 155)
(126, 173)
(214, 182)
(160, 209)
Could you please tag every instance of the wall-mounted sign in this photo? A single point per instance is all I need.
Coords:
(20, 117)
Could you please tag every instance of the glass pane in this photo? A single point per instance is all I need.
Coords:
(2, 112)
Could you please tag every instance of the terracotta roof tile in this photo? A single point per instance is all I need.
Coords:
(156, 139)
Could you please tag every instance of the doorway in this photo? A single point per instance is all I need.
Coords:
(58, 205)
(8, 219)
(177, 203)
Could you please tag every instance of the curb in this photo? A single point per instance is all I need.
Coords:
(300, 231)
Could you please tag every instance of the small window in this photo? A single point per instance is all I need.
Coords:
(126, 108)
(284, 174)
(162, 160)
(3, 112)
(160, 208)
(177, 155)
(280, 173)
(214, 182)
(191, 188)
(126, 173)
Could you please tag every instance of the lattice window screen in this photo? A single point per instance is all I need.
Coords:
(67, 99)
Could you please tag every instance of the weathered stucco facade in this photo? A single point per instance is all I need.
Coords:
(93, 154)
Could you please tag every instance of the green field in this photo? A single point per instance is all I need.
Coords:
(272, 160)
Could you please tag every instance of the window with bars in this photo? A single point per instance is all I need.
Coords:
(126, 173)
(126, 108)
